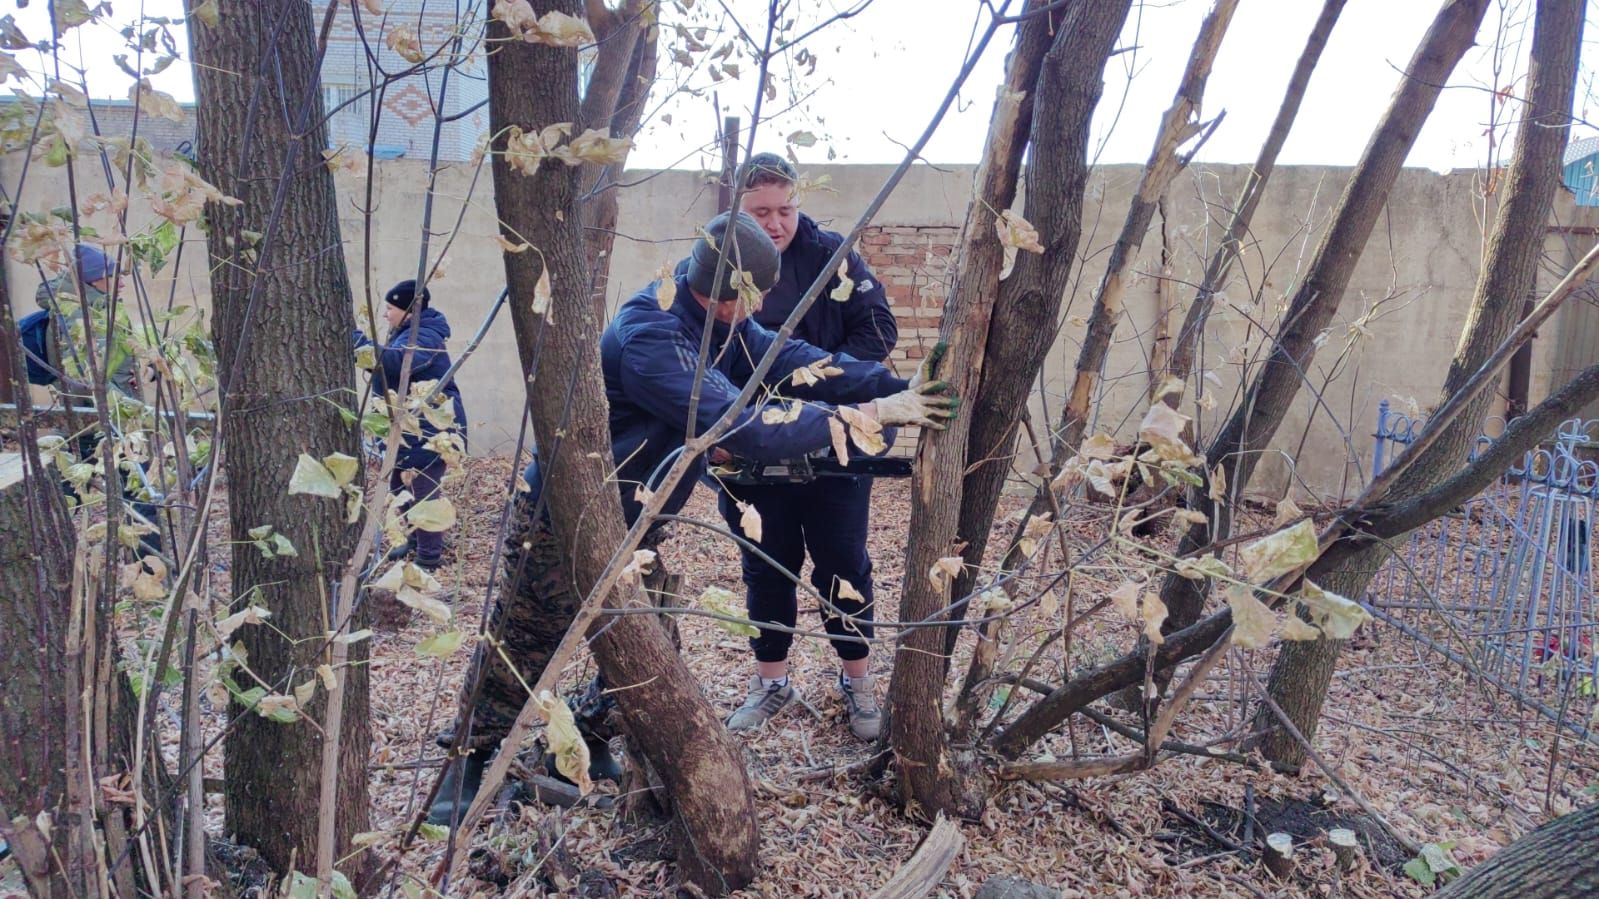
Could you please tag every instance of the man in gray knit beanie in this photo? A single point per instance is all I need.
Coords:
(750, 253)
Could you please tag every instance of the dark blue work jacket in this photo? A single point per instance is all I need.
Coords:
(648, 355)
(429, 362)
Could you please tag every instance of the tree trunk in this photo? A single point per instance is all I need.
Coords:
(679, 733)
(929, 776)
(623, 73)
(1302, 672)
(1181, 363)
(282, 326)
(1553, 862)
(1237, 448)
(61, 675)
(1177, 127)
(1026, 315)
(41, 759)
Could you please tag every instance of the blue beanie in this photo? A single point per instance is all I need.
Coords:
(93, 264)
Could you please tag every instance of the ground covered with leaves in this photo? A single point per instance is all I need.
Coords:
(1443, 760)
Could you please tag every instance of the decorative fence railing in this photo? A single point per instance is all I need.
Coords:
(1505, 583)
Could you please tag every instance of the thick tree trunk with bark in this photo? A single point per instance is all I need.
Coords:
(64, 691)
(1026, 315)
(1237, 448)
(1179, 125)
(1303, 671)
(930, 776)
(41, 716)
(1555, 861)
(282, 326)
(681, 736)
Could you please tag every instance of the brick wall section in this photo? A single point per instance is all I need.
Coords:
(913, 263)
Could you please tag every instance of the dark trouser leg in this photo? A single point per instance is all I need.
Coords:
(769, 594)
(424, 486)
(835, 521)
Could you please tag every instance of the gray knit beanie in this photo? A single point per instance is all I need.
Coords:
(751, 252)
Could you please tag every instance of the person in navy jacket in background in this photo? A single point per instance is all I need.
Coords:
(649, 355)
(828, 517)
(419, 467)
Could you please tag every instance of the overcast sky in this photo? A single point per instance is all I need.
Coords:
(881, 75)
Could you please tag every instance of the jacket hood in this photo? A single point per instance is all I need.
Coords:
(429, 320)
(434, 319)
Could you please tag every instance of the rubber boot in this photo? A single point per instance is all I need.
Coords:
(602, 764)
(590, 712)
(462, 777)
(400, 552)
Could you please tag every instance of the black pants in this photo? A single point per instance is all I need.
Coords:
(828, 519)
(424, 486)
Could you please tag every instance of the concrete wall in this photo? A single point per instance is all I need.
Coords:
(1394, 335)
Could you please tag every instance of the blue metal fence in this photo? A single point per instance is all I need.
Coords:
(1506, 580)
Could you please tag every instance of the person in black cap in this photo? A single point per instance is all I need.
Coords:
(649, 354)
(414, 323)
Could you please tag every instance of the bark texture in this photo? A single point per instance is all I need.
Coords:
(1026, 315)
(930, 777)
(282, 326)
(1555, 861)
(664, 712)
(41, 664)
(1303, 671)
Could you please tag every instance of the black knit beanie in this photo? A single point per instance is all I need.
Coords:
(403, 295)
(751, 252)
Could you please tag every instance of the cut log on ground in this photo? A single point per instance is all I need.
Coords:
(922, 874)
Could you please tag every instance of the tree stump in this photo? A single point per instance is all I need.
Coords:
(1345, 847)
(1279, 855)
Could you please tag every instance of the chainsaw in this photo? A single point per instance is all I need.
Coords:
(805, 469)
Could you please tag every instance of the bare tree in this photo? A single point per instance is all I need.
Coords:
(1184, 349)
(929, 773)
(1303, 670)
(1237, 448)
(1178, 126)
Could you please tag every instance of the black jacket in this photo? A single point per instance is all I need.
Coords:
(862, 325)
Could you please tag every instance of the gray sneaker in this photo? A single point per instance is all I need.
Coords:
(860, 699)
(760, 705)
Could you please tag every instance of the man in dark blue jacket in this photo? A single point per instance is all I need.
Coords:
(828, 517)
(649, 355)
